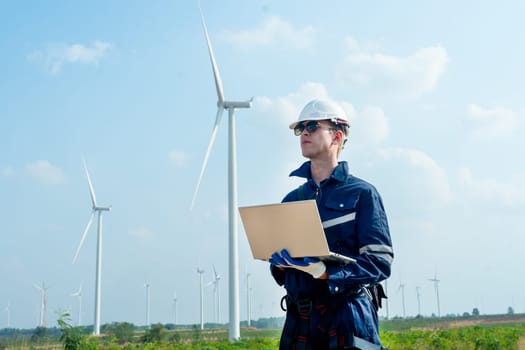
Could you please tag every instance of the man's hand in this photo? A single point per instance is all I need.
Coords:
(313, 266)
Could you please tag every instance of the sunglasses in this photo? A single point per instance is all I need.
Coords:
(309, 127)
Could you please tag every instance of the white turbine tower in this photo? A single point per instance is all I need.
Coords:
(402, 288)
(436, 287)
(8, 312)
(147, 286)
(175, 307)
(418, 301)
(78, 294)
(248, 300)
(200, 272)
(43, 303)
(96, 210)
(231, 106)
(216, 295)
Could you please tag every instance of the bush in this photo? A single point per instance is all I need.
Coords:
(155, 334)
(74, 338)
(122, 331)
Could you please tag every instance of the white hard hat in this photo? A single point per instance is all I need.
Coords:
(322, 110)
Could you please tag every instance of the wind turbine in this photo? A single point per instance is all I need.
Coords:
(200, 272)
(96, 210)
(147, 286)
(418, 300)
(436, 287)
(216, 294)
(43, 303)
(248, 300)
(231, 106)
(8, 311)
(402, 288)
(175, 307)
(78, 294)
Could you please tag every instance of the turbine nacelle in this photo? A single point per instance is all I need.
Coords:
(102, 208)
(235, 104)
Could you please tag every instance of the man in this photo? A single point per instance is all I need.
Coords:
(333, 305)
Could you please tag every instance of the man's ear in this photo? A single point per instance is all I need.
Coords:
(338, 136)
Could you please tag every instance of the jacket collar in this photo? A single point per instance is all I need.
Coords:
(340, 173)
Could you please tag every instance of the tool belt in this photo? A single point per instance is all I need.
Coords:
(299, 337)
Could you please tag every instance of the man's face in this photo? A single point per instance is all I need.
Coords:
(319, 142)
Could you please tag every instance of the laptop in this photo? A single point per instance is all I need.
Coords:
(295, 226)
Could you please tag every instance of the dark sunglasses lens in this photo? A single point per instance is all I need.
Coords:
(311, 126)
(298, 130)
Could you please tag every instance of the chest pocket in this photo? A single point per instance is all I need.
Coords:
(339, 223)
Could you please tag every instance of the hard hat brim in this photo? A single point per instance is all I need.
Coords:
(333, 120)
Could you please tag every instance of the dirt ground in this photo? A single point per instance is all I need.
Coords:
(483, 320)
(521, 344)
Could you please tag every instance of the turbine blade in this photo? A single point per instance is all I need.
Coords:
(208, 151)
(78, 293)
(91, 190)
(84, 236)
(218, 83)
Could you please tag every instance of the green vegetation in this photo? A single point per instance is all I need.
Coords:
(467, 338)
(74, 338)
(503, 332)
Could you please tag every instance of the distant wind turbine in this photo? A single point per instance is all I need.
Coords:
(231, 106)
(248, 300)
(418, 301)
(402, 288)
(8, 312)
(78, 294)
(436, 287)
(175, 307)
(43, 303)
(95, 210)
(216, 294)
(200, 272)
(148, 300)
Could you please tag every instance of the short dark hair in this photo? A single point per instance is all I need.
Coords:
(339, 126)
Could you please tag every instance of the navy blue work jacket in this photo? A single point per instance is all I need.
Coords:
(355, 225)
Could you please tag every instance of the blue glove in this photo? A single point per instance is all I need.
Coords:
(313, 266)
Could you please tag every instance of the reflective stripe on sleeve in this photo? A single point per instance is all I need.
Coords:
(381, 251)
(339, 220)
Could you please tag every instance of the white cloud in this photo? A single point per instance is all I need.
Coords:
(409, 76)
(45, 172)
(141, 232)
(179, 158)
(353, 45)
(490, 190)
(370, 125)
(273, 30)
(8, 171)
(492, 122)
(416, 176)
(55, 56)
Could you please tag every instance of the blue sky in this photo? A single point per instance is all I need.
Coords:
(434, 92)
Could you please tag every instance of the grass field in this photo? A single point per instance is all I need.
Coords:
(502, 332)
